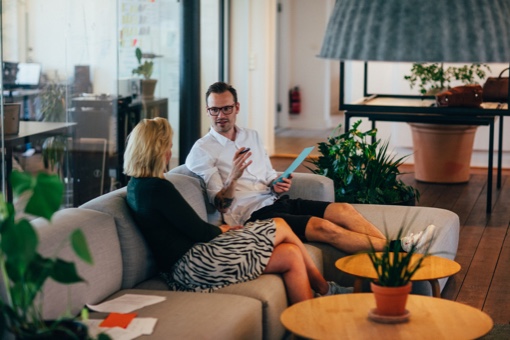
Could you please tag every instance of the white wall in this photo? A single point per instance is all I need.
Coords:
(302, 24)
(252, 65)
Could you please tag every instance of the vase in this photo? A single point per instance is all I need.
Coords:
(390, 301)
(442, 153)
(148, 88)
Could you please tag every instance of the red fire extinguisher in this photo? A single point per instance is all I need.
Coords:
(295, 100)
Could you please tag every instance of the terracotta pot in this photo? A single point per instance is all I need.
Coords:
(148, 88)
(442, 153)
(390, 301)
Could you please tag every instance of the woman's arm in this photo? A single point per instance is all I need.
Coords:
(177, 211)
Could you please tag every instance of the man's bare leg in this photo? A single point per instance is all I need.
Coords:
(322, 230)
(344, 214)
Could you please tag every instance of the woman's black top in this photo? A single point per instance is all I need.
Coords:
(168, 223)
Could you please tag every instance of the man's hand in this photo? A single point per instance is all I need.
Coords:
(225, 227)
(225, 196)
(240, 163)
(283, 186)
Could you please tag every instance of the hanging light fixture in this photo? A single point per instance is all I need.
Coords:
(419, 31)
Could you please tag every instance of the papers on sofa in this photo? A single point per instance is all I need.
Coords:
(137, 327)
(295, 164)
(127, 303)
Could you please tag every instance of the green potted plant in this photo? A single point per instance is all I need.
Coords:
(433, 77)
(52, 102)
(394, 270)
(363, 172)
(145, 69)
(24, 270)
(450, 146)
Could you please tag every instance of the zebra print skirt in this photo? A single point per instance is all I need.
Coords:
(232, 257)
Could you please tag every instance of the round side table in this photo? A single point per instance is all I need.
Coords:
(346, 317)
(432, 269)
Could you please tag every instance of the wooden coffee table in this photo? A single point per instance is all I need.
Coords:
(346, 317)
(432, 269)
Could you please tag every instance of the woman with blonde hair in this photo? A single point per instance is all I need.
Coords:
(193, 255)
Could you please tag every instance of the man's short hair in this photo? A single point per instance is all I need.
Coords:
(220, 87)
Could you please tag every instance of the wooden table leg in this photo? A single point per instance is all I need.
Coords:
(436, 290)
(358, 285)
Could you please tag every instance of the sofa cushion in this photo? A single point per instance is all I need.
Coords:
(185, 315)
(269, 289)
(213, 215)
(389, 219)
(102, 278)
(190, 190)
(137, 259)
(312, 187)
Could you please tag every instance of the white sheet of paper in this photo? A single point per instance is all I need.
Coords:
(127, 303)
(295, 164)
(144, 326)
(137, 327)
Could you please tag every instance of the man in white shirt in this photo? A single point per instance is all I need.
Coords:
(240, 184)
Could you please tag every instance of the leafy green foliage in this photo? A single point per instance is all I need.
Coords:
(433, 77)
(362, 172)
(24, 269)
(144, 69)
(53, 102)
(393, 267)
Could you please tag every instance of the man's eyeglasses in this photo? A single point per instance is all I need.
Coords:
(215, 111)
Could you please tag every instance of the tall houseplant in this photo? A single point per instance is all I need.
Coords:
(23, 269)
(362, 172)
(145, 69)
(450, 146)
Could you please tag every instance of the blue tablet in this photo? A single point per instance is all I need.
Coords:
(295, 164)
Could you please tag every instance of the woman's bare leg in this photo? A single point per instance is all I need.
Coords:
(287, 260)
(284, 234)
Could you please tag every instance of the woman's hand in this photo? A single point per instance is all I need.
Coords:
(225, 227)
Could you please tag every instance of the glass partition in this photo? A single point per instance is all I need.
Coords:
(70, 77)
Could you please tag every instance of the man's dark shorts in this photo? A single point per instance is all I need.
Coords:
(296, 212)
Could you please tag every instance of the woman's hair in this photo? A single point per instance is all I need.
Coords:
(146, 148)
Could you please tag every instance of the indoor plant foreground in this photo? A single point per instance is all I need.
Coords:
(362, 171)
(24, 271)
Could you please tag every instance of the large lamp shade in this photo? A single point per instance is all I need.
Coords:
(419, 31)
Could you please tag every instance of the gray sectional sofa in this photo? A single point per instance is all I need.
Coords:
(251, 310)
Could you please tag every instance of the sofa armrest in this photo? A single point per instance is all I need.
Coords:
(312, 187)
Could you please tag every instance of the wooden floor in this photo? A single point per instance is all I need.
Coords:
(484, 245)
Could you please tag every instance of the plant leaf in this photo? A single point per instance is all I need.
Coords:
(80, 247)
(19, 243)
(47, 196)
(21, 182)
(65, 272)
